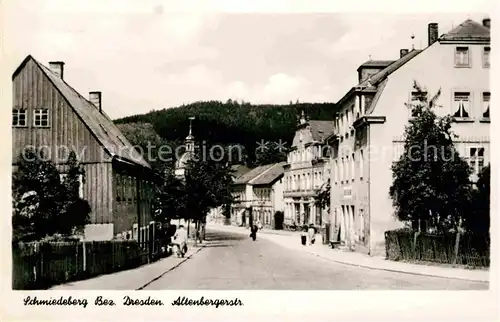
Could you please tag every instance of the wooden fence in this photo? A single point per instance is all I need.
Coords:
(39, 265)
(471, 250)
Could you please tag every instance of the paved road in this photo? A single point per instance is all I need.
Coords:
(232, 261)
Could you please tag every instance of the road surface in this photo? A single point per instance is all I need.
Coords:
(232, 261)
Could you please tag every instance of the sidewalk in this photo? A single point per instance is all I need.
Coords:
(132, 279)
(291, 240)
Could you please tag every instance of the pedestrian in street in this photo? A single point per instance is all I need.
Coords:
(253, 231)
(311, 232)
(303, 235)
(180, 240)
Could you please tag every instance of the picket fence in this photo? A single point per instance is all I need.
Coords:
(40, 265)
(470, 250)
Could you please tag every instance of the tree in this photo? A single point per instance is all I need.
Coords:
(322, 197)
(43, 205)
(478, 219)
(170, 198)
(430, 179)
(75, 211)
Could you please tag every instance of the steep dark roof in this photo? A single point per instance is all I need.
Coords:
(239, 170)
(252, 174)
(381, 75)
(468, 30)
(270, 175)
(320, 129)
(376, 63)
(105, 131)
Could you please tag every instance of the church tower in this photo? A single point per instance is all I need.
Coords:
(180, 165)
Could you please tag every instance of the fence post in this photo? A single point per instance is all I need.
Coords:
(457, 243)
(415, 236)
(84, 257)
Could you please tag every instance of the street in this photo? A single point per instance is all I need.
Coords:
(232, 261)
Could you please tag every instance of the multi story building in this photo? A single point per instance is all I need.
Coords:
(259, 195)
(51, 116)
(371, 117)
(306, 172)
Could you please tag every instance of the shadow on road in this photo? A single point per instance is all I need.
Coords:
(212, 236)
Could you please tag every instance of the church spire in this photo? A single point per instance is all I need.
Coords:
(190, 137)
(302, 119)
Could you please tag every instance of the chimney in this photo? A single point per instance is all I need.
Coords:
(403, 52)
(433, 33)
(95, 98)
(487, 22)
(57, 68)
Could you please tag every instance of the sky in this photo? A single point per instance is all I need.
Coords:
(146, 55)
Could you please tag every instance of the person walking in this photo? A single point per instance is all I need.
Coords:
(253, 231)
(311, 231)
(180, 240)
(303, 235)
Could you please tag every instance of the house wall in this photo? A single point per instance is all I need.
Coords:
(350, 211)
(433, 69)
(66, 132)
(31, 89)
(302, 178)
(131, 195)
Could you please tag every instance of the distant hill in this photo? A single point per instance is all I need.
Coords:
(227, 123)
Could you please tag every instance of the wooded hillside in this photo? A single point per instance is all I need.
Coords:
(227, 123)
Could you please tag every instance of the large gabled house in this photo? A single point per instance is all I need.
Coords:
(47, 113)
(306, 172)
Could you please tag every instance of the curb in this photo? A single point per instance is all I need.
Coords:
(170, 269)
(365, 266)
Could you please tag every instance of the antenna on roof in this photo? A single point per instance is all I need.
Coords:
(413, 41)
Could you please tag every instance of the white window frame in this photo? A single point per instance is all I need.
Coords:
(415, 101)
(361, 164)
(39, 113)
(336, 171)
(460, 58)
(353, 160)
(17, 112)
(485, 100)
(486, 56)
(458, 98)
(476, 161)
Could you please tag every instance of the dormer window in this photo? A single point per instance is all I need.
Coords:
(462, 57)
(19, 118)
(41, 117)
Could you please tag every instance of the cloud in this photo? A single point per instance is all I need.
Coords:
(145, 54)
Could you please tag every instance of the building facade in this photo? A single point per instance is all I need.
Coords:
(372, 116)
(51, 116)
(259, 195)
(306, 172)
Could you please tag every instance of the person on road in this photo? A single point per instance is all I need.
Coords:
(253, 231)
(311, 232)
(180, 239)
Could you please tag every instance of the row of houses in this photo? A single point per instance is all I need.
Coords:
(354, 151)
